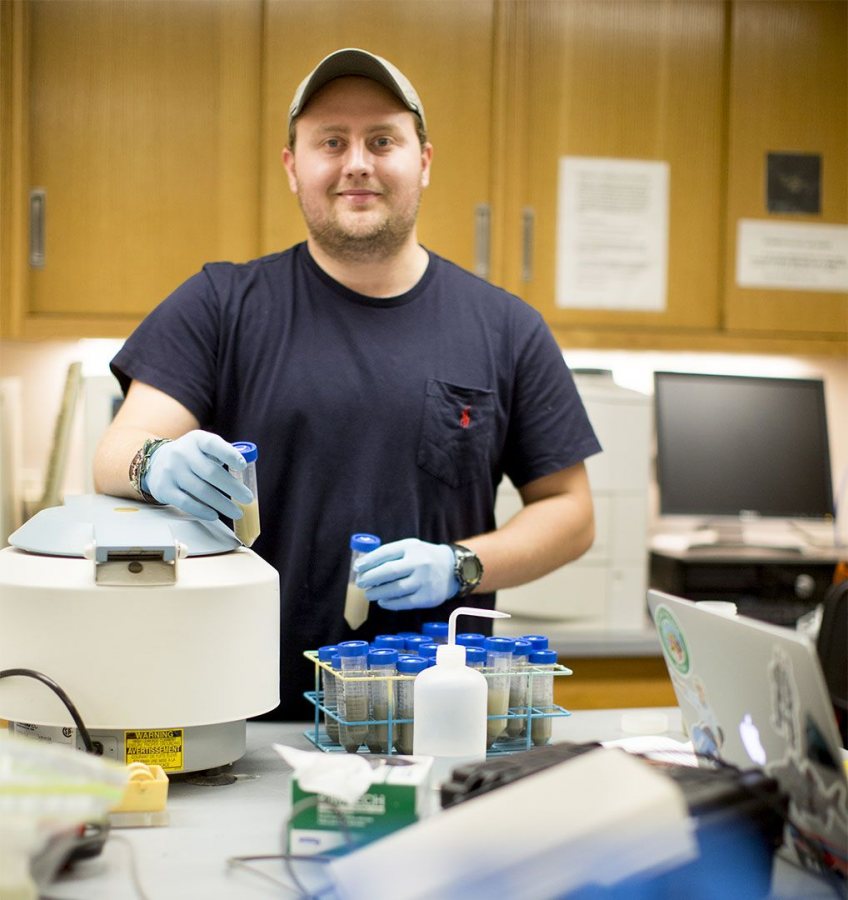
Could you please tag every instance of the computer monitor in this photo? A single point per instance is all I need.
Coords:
(734, 448)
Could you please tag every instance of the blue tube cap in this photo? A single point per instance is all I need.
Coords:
(365, 543)
(499, 644)
(382, 656)
(392, 641)
(539, 641)
(470, 639)
(353, 648)
(435, 629)
(248, 450)
(411, 665)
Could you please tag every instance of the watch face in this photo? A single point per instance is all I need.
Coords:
(470, 569)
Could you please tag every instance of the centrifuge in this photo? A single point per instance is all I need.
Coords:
(161, 629)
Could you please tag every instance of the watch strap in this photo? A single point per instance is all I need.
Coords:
(139, 465)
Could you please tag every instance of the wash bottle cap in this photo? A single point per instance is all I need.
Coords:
(411, 665)
(543, 657)
(453, 654)
(248, 450)
(365, 543)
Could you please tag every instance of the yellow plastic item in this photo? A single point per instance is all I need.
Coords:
(146, 790)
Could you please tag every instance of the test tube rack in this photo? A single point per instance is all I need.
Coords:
(527, 715)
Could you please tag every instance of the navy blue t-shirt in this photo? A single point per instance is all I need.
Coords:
(394, 416)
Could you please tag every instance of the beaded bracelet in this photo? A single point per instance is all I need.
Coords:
(139, 464)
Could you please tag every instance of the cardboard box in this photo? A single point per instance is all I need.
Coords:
(398, 796)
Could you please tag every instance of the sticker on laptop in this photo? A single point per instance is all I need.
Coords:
(808, 772)
(672, 640)
(706, 734)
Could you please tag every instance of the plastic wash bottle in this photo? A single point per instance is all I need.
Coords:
(450, 705)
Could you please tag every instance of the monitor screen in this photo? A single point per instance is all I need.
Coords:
(731, 445)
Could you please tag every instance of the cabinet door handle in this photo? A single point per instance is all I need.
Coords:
(528, 224)
(482, 223)
(37, 204)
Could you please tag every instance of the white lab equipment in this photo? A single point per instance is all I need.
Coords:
(162, 630)
(450, 701)
(605, 588)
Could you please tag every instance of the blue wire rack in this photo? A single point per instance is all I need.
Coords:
(529, 724)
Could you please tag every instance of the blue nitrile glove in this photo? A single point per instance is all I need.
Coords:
(408, 574)
(189, 473)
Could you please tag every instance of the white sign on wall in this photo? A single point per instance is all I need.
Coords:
(612, 234)
(796, 256)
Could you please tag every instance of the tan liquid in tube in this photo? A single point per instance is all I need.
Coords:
(356, 606)
(247, 528)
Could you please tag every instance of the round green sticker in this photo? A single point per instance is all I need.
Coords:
(672, 640)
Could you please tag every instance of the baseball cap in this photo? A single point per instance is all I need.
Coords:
(353, 61)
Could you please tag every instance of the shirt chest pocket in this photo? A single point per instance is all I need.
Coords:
(456, 432)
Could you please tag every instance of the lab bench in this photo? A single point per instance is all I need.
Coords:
(212, 823)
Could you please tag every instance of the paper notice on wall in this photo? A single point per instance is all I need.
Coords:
(612, 234)
(795, 256)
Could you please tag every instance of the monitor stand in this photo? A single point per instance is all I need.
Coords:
(744, 534)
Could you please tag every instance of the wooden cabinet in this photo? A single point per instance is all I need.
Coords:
(628, 79)
(136, 123)
(445, 49)
(154, 131)
(788, 93)
(708, 87)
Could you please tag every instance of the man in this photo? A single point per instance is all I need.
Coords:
(387, 390)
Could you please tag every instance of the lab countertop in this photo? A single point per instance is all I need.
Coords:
(209, 825)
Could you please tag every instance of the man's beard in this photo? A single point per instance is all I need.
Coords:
(380, 242)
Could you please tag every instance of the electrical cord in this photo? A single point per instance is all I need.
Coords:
(288, 859)
(134, 876)
(60, 693)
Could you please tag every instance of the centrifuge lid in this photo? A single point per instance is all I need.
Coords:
(115, 521)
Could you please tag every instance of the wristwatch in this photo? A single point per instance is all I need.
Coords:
(467, 568)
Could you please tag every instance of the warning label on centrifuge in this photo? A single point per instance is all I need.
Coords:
(162, 747)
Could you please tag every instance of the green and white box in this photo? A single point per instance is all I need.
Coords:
(398, 796)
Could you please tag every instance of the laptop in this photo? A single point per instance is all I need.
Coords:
(753, 694)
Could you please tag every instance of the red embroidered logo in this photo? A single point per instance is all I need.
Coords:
(465, 417)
